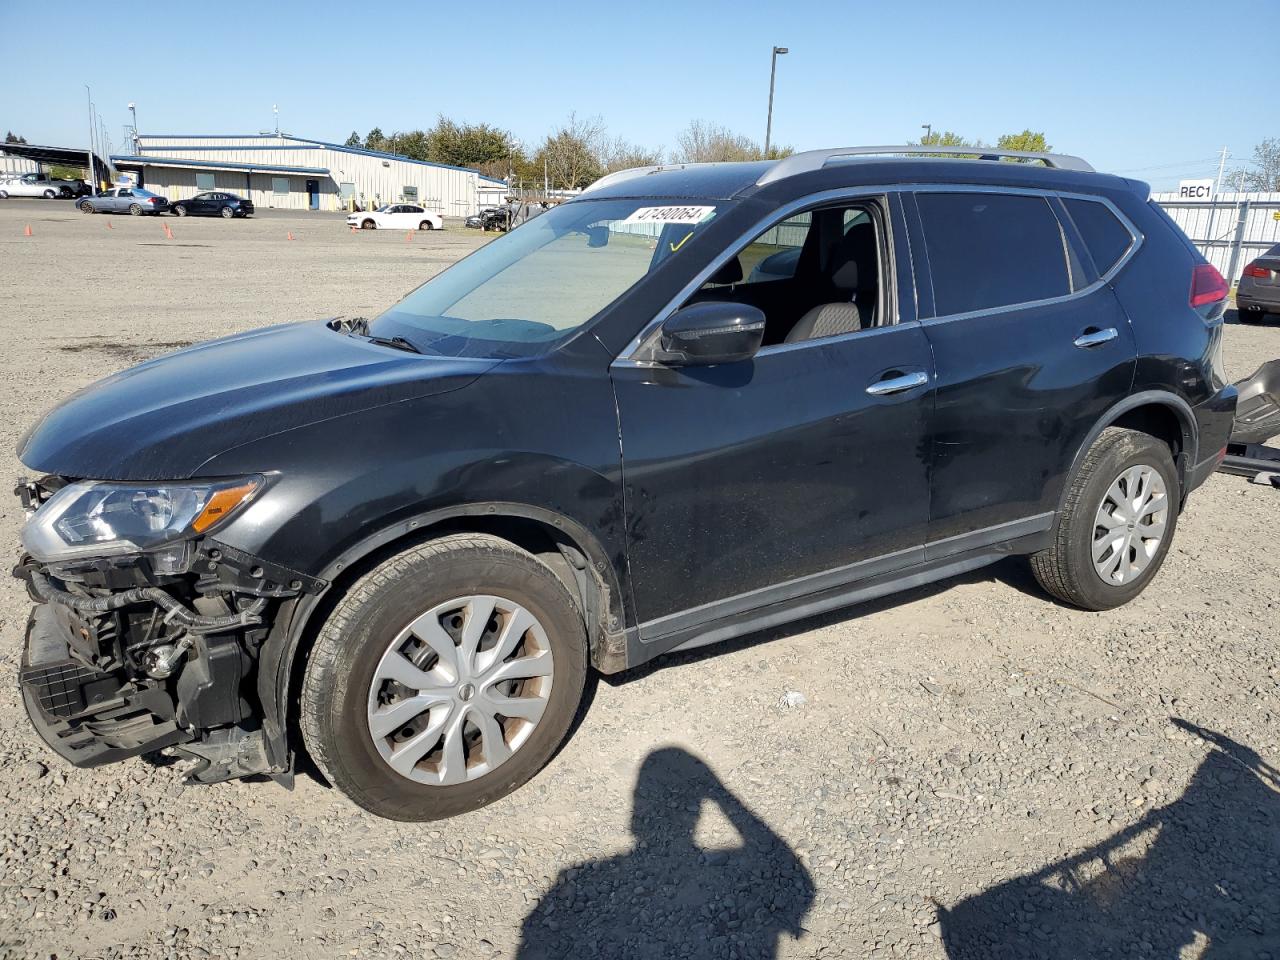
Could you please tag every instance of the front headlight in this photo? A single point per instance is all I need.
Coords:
(100, 519)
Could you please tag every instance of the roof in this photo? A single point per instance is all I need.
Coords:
(775, 178)
(65, 156)
(309, 145)
(132, 160)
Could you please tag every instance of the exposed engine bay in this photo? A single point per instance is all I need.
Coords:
(139, 652)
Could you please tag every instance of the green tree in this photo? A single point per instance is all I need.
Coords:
(12, 137)
(374, 140)
(353, 140)
(1031, 141)
(467, 144)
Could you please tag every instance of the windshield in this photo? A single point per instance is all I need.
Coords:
(518, 295)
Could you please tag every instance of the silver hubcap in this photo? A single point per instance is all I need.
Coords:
(1130, 525)
(460, 690)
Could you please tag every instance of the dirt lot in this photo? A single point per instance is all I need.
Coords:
(970, 757)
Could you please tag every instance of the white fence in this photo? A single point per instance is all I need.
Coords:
(1230, 230)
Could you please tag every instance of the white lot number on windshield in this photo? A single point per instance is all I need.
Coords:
(670, 215)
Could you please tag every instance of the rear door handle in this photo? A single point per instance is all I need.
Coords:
(898, 384)
(1094, 337)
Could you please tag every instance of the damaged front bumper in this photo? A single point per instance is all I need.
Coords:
(119, 663)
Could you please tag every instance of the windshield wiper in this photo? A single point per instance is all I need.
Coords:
(397, 343)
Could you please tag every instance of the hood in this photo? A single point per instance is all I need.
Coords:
(164, 418)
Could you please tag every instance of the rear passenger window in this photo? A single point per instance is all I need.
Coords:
(989, 250)
(1105, 236)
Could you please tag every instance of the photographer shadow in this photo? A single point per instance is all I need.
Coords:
(1198, 878)
(667, 896)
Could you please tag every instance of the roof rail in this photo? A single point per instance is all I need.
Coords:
(812, 160)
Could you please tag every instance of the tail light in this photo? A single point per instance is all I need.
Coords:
(1207, 285)
(1260, 273)
(153, 199)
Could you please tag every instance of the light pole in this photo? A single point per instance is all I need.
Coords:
(773, 72)
(275, 109)
(928, 131)
(93, 173)
(133, 112)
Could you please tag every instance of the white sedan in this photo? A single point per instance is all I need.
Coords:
(34, 185)
(397, 216)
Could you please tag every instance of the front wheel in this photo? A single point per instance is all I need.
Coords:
(444, 679)
(49, 194)
(368, 225)
(86, 207)
(1116, 526)
(4, 194)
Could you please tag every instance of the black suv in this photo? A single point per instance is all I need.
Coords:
(695, 402)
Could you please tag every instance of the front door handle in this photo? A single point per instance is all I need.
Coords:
(898, 384)
(1094, 337)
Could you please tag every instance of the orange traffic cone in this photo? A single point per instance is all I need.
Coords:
(168, 234)
(291, 236)
(408, 235)
(109, 226)
(353, 229)
(27, 232)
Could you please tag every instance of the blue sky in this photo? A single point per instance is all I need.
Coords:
(1141, 89)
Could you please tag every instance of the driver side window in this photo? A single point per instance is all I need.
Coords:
(816, 274)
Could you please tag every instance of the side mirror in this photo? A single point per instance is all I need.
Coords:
(716, 331)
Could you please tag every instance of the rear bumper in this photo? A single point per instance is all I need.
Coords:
(1214, 419)
(1250, 294)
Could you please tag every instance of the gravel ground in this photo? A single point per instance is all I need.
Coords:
(965, 770)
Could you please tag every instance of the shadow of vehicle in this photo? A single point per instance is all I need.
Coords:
(668, 897)
(1198, 878)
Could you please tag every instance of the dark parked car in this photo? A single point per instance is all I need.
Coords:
(131, 200)
(1258, 292)
(214, 203)
(403, 542)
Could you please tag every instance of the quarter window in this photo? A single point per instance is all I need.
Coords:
(989, 250)
(1105, 236)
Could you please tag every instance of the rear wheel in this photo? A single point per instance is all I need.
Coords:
(227, 213)
(1116, 526)
(426, 225)
(368, 225)
(444, 679)
(135, 210)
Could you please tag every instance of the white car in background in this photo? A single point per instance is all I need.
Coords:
(397, 216)
(34, 185)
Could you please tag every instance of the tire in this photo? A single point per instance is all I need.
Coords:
(86, 207)
(371, 621)
(179, 211)
(426, 225)
(227, 213)
(135, 210)
(50, 194)
(368, 225)
(4, 194)
(1067, 568)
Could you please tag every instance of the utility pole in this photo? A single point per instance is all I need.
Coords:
(275, 108)
(133, 112)
(88, 95)
(1222, 162)
(773, 73)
